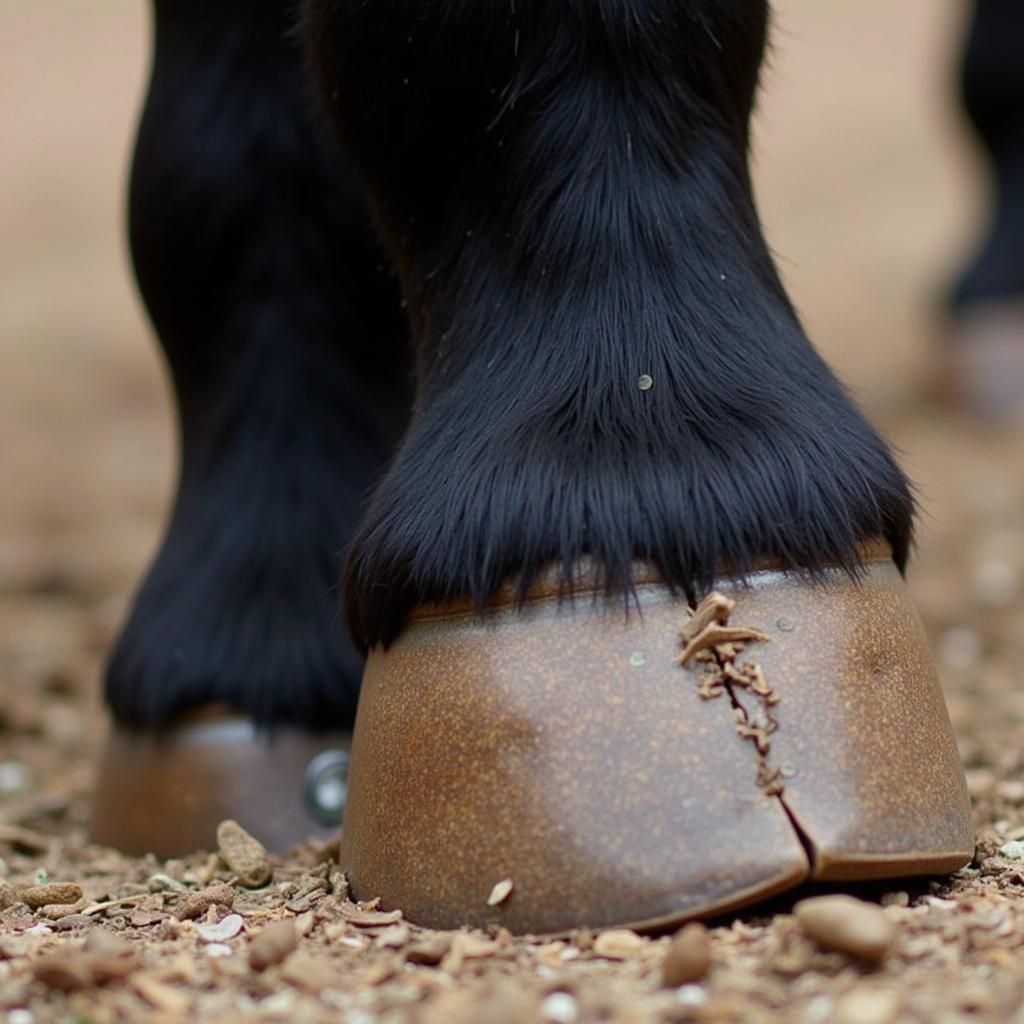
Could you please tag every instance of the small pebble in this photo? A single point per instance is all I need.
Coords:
(618, 944)
(37, 896)
(272, 945)
(197, 904)
(244, 854)
(14, 777)
(847, 925)
(164, 883)
(8, 895)
(866, 1007)
(1013, 850)
(691, 995)
(559, 1008)
(688, 958)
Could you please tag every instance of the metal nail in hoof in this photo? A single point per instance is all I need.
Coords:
(596, 770)
(326, 786)
(166, 793)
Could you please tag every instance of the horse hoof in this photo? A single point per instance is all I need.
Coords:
(569, 764)
(165, 793)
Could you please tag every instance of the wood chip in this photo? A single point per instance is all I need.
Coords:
(160, 995)
(429, 949)
(245, 855)
(501, 892)
(65, 970)
(467, 946)
(363, 918)
(716, 607)
(396, 936)
(220, 931)
(715, 636)
(618, 944)
(308, 973)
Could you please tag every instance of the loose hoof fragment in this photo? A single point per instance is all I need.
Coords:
(167, 793)
(567, 754)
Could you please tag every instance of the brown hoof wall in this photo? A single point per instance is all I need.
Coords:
(564, 749)
(165, 794)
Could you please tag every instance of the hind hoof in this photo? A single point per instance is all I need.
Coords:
(166, 793)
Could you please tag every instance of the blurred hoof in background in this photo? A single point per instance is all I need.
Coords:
(568, 764)
(165, 793)
(982, 368)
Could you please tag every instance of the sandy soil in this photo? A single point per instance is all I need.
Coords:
(869, 198)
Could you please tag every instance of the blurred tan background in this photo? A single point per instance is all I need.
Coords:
(868, 191)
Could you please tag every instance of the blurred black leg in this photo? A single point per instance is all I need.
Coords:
(283, 332)
(992, 83)
(983, 366)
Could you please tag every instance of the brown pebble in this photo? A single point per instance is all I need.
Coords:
(244, 854)
(308, 973)
(429, 950)
(65, 971)
(8, 895)
(847, 925)
(56, 911)
(688, 958)
(272, 945)
(13, 946)
(70, 923)
(618, 944)
(197, 903)
(37, 896)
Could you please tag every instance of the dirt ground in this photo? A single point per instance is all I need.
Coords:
(869, 196)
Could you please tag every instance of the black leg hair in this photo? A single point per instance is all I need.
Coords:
(564, 189)
(287, 346)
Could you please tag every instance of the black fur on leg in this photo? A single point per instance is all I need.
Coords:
(285, 339)
(564, 189)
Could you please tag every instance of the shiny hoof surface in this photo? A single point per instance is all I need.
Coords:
(166, 793)
(564, 751)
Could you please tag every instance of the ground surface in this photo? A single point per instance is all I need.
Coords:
(867, 196)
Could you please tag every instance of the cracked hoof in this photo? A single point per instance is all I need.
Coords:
(645, 771)
(167, 793)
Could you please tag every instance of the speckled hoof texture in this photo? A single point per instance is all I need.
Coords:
(564, 751)
(166, 794)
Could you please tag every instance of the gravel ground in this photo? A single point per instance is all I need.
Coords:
(868, 199)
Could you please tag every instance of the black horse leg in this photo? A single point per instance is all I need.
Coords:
(286, 344)
(984, 365)
(607, 362)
